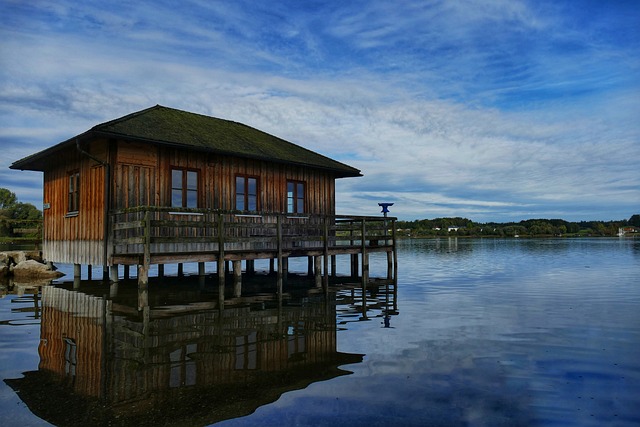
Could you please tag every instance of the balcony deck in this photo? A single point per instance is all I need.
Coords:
(158, 235)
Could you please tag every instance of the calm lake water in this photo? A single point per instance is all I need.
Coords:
(480, 332)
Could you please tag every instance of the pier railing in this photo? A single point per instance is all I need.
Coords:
(197, 234)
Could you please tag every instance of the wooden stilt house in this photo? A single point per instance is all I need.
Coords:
(168, 186)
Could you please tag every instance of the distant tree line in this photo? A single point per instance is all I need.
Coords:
(18, 219)
(527, 228)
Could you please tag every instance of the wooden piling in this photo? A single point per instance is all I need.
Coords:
(318, 271)
(221, 266)
(237, 278)
(143, 268)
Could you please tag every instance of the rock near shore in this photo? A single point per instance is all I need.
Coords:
(26, 266)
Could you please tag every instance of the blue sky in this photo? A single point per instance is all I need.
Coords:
(493, 110)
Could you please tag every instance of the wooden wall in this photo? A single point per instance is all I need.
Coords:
(143, 177)
(75, 238)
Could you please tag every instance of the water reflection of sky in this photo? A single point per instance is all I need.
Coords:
(492, 333)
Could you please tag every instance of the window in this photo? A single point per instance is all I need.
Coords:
(246, 193)
(295, 197)
(74, 192)
(70, 356)
(184, 188)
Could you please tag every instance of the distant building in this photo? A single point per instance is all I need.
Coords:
(628, 230)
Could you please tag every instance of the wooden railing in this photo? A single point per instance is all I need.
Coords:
(160, 230)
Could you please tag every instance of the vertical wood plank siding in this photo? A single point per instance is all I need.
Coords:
(75, 239)
(144, 179)
(141, 176)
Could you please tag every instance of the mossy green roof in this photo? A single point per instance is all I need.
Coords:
(168, 126)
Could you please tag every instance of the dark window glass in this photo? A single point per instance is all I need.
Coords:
(74, 192)
(295, 197)
(184, 188)
(246, 193)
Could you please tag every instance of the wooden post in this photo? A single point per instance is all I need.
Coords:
(354, 265)
(160, 271)
(113, 273)
(395, 251)
(201, 274)
(325, 277)
(89, 272)
(143, 269)
(354, 257)
(180, 269)
(365, 269)
(334, 265)
(77, 272)
(279, 243)
(126, 272)
(310, 266)
(221, 263)
(250, 267)
(237, 278)
(272, 267)
(318, 271)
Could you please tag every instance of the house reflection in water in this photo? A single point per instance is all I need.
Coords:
(107, 362)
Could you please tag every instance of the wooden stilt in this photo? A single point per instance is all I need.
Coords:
(113, 274)
(334, 264)
(180, 269)
(220, 262)
(143, 269)
(318, 271)
(160, 271)
(325, 276)
(143, 275)
(77, 271)
(113, 290)
(250, 267)
(237, 278)
(310, 266)
(354, 265)
(365, 271)
(279, 246)
(89, 272)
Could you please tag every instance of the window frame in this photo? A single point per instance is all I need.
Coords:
(184, 187)
(73, 193)
(293, 202)
(245, 195)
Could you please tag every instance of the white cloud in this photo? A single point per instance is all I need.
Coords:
(436, 117)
